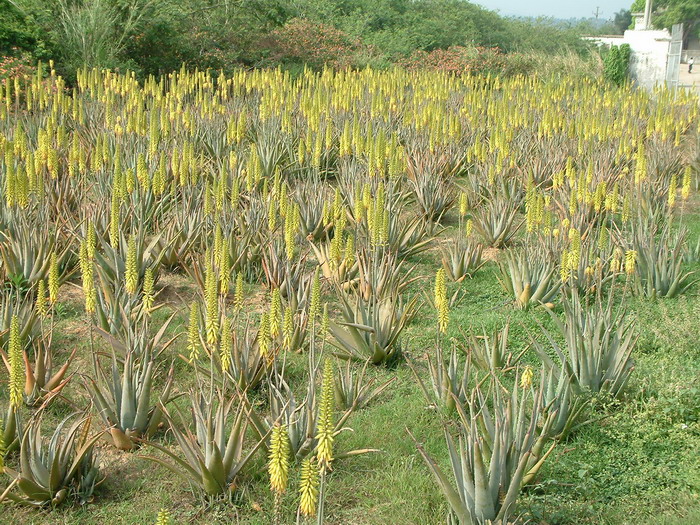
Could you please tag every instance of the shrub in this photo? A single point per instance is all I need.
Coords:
(16, 66)
(312, 43)
(457, 59)
(616, 64)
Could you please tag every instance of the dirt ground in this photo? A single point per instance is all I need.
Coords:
(690, 79)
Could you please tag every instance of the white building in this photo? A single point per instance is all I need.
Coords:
(654, 60)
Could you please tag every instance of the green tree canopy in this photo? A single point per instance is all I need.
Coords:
(666, 13)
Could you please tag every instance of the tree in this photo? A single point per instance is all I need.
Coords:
(623, 20)
(686, 12)
(89, 33)
(18, 34)
(667, 13)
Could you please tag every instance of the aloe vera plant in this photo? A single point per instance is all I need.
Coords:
(10, 429)
(111, 263)
(338, 269)
(212, 457)
(598, 343)
(503, 441)
(26, 251)
(659, 264)
(429, 176)
(371, 330)
(408, 237)
(116, 310)
(52, 471)
(280, 272)
(310, 199)
(382, 275)
(491, 352)
(496, 220)
(461, 259)
(123, 397)
(561, 399)
(243, 366)
(12, 304)
(301, 416)
(352, 390)
(529, 277)
(450, 383)
(42, 382)
(181, 237)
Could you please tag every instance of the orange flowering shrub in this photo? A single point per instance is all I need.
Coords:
(315, 44)
(16, 66)
(457, 59)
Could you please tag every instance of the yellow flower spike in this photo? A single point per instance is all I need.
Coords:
(239, 294)
(10, 179)
(89, 290)
(526, 377)
(349, 255)
(218, 242)
(148, 298)
(16, 361)
(685, 189)
(275, 313)
(291, 226)
(278, 465)
(325, 426)
(626, 205)
(315, 301)
(564, 266)
(611, 199)
(211, 293)
(288, 328)
(603, 238)
(53, 283)
(193, 343)
(441, 302)
(672, 190)
(308, 487)
(630, 261)
(164, 518)
(235, 193)
(615, 263)
(114, 225)
(226, 345)
(224, 269)
(264, 335)
(42, 307)
(463, 204)
(271, 216)
(131, 272)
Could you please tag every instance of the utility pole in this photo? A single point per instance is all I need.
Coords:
(596, 13)
(647, 15)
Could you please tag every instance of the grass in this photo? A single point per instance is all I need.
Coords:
(637, 462)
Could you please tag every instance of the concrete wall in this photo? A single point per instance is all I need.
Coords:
(649, 54)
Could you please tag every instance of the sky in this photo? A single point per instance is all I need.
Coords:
(556, 8)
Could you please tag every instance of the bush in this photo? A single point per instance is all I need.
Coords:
(548, 65)
(457, 59)
(481, 60)
(312, 43)
(616, 64)
(19, 65)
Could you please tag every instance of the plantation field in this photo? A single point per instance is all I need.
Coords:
(353, 298)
